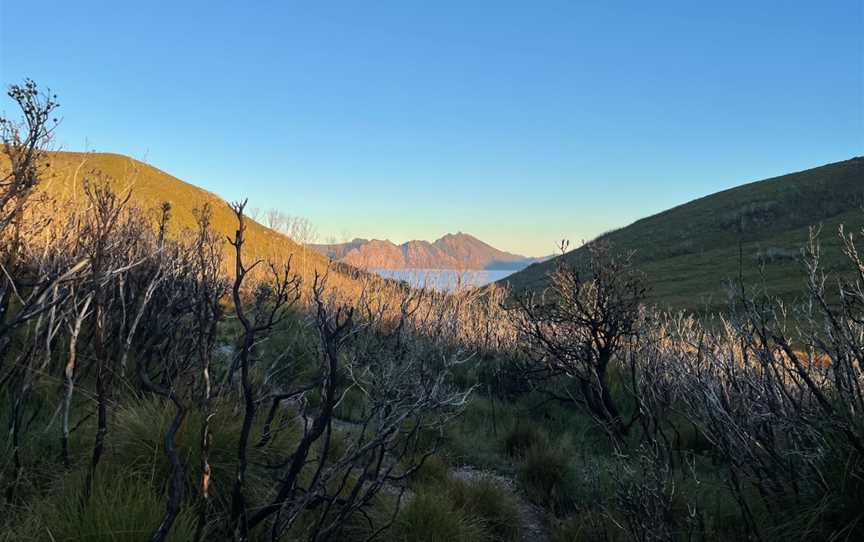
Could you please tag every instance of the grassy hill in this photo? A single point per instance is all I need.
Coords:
(67, 171)
(690, 252)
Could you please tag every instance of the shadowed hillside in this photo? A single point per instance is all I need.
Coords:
(690, 252)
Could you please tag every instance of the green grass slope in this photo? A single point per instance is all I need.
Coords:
(689, 253)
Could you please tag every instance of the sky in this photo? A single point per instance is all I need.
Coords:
(521, 123)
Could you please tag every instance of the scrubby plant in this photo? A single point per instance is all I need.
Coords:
(579, 328)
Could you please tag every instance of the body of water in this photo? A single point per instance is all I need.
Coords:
(444, 279)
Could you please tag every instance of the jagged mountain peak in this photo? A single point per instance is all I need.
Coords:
(451, 251)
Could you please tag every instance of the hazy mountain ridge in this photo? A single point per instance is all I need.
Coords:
(452, 251)
(689, 253)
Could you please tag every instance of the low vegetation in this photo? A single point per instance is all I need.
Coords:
(160, 382)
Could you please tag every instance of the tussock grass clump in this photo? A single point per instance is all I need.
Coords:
(458, 510)
(138, 436)
(137, 444)
(483, 499)
(475, 438)
(431, 517)
(546, 477)
(123, 507)
(523, 436)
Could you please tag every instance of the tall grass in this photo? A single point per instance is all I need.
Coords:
(123, 507)
(547, 478)
(431, 517)
(458, 510)
(483, 499)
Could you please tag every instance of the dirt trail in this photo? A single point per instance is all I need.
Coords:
(531, 516)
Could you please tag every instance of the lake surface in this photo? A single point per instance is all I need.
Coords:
(444, 279)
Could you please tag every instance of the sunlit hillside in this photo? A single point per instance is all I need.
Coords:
(690, 253)
(66, 174)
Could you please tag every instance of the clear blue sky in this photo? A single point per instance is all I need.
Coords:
(518, 122)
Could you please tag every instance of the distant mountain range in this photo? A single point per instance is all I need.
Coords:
(453, 251)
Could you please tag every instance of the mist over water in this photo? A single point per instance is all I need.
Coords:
(444, 279)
